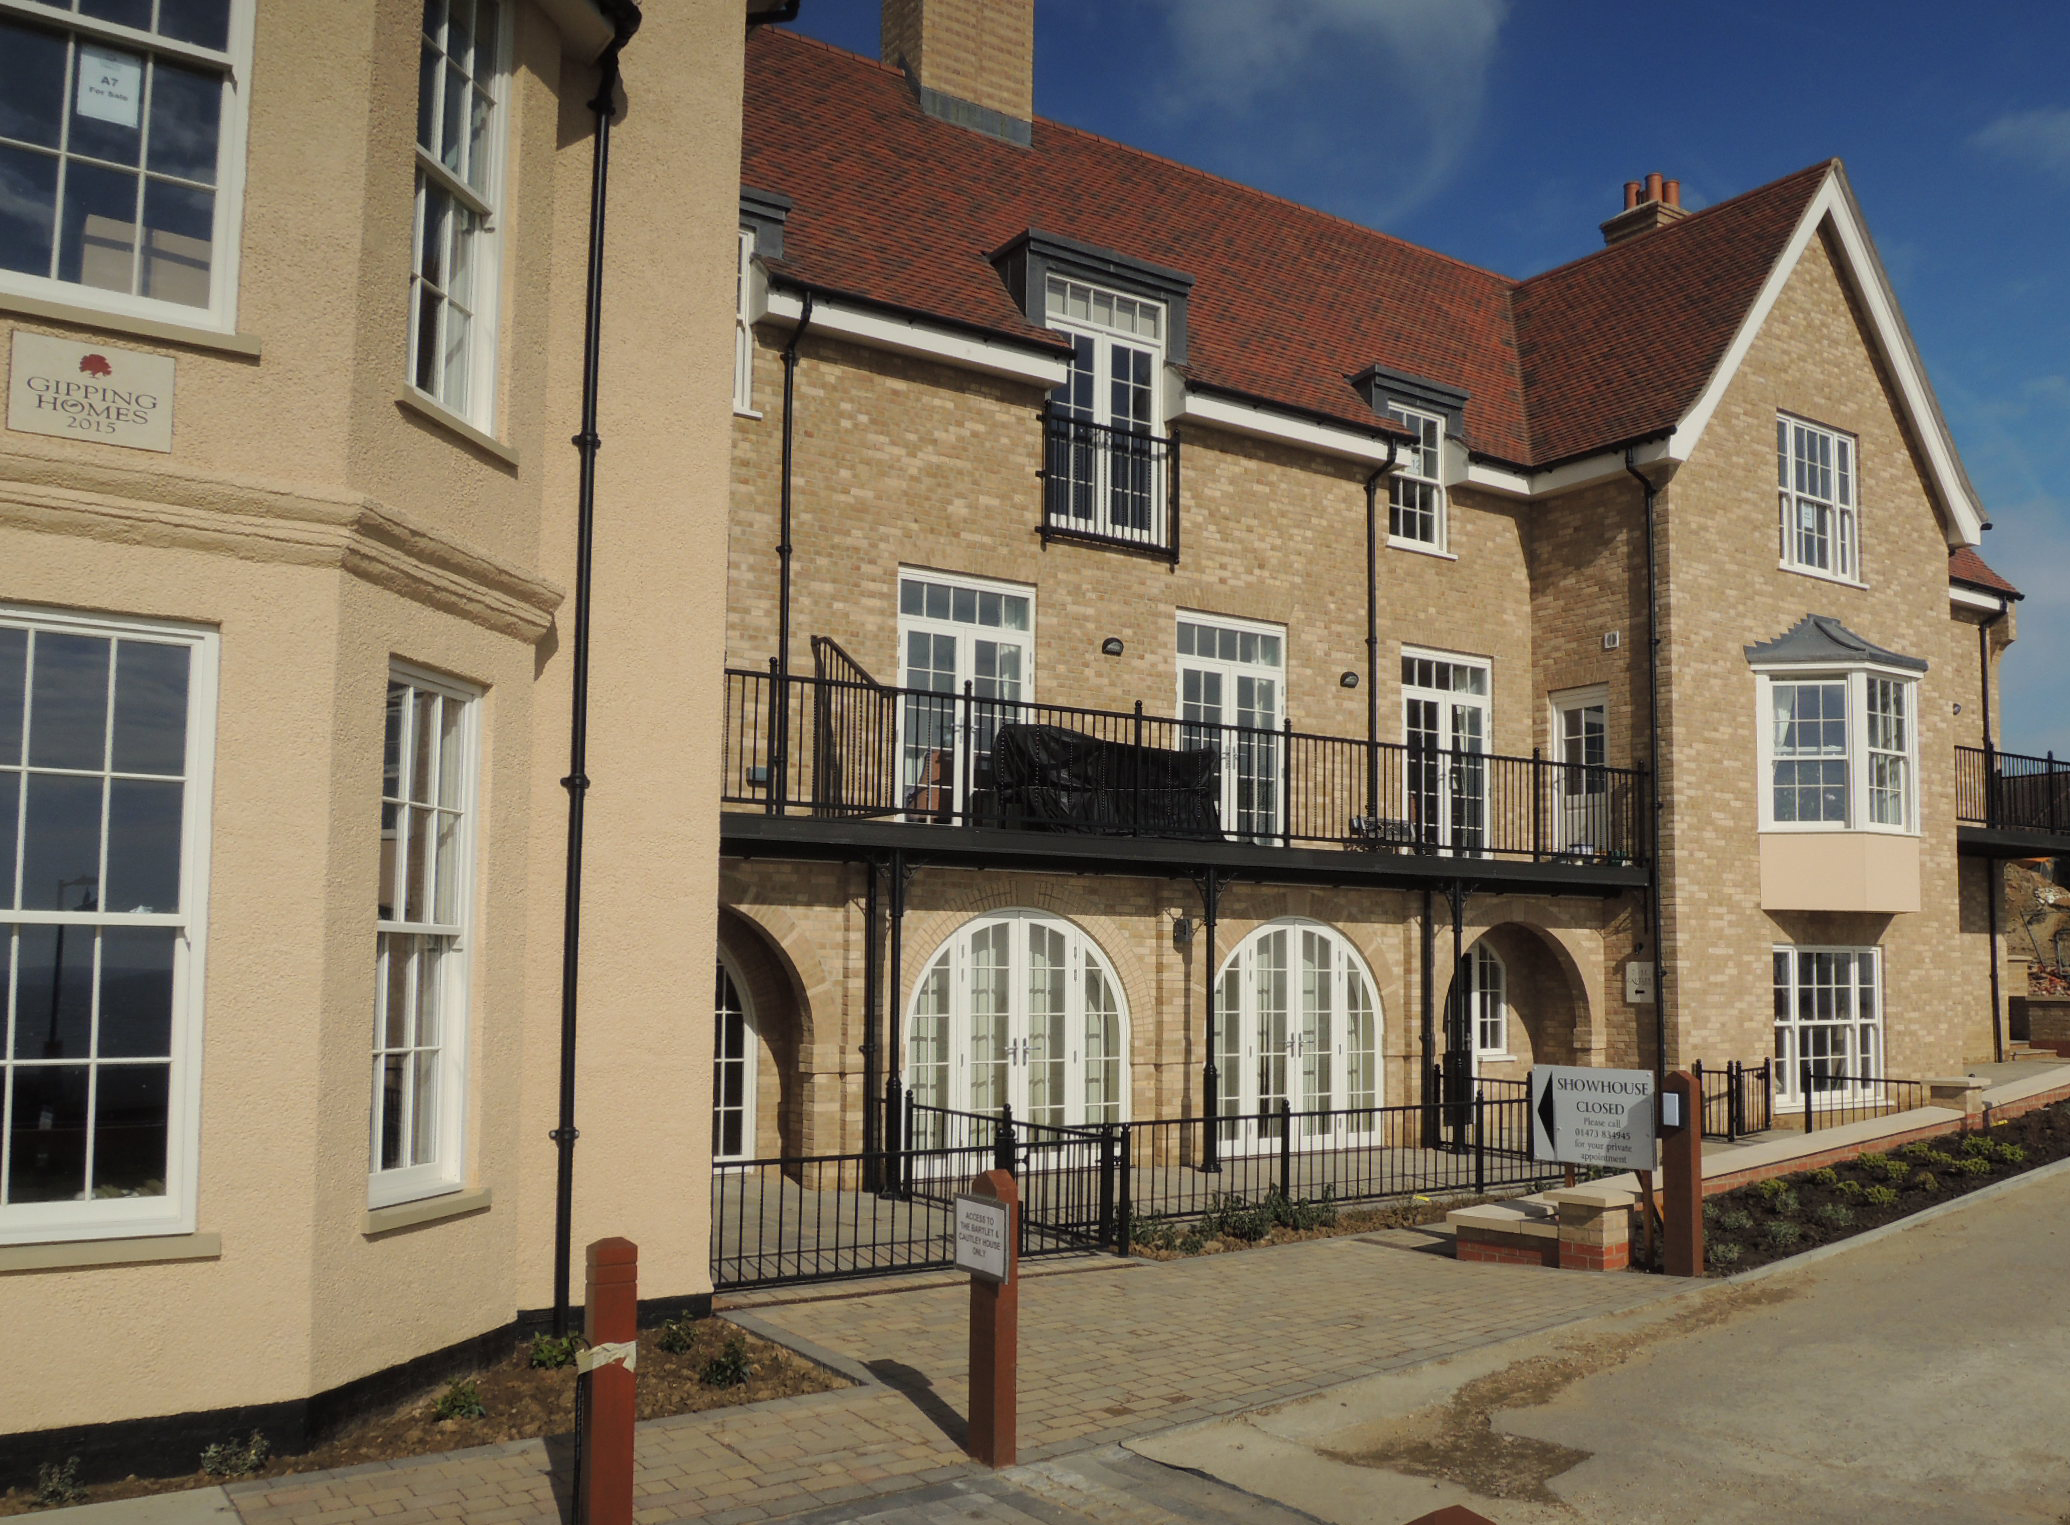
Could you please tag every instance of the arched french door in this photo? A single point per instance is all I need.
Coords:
(734, 1046)
(1297, 1020)
(1020, 1009)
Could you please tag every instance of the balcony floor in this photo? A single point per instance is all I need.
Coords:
(753, 834)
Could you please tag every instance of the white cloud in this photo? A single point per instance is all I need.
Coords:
(1424, 64)
(2039, 139)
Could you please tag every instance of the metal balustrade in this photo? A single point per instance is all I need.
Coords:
(1116, 486)
(2012, 791)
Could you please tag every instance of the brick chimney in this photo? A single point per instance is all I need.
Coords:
(1653, 205)
(972, 61)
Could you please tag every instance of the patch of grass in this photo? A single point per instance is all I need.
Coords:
(236, 1458)
(57, 1484)
(551, 1354)
(730, 1367)
(463, 1400)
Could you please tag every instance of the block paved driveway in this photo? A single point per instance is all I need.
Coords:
(1110, 1350)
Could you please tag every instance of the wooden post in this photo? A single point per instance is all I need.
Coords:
(604, 1423)
(995, 1338)
(1681, 1151)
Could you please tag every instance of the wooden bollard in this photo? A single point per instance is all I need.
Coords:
(611, 1323)
(995, 1322)
(1681, 1163)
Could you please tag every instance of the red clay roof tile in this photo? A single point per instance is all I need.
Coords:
(1965, 565)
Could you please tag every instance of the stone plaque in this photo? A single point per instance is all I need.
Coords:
(81, 391)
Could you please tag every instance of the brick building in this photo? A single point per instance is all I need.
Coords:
(1171, 632)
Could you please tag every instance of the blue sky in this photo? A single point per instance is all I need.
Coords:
(1501, 131)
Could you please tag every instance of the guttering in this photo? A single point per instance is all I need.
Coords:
(1224, 410)
(1515, 481)
(780, 741)
(774, 15)
(876, 326)
(1994, 887)
(625, 20)
(1653, 858)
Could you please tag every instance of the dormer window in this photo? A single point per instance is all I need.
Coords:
(1106, 463)
(1815, 472)
(1416, 505)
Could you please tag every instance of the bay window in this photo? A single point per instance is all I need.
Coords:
(1841, 751)
(121, 151)
(105, 731)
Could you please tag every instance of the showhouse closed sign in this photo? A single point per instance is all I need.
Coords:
(93, 392)
(1593, 1117)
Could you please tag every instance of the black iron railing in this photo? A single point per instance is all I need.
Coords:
(2012, 791)
(1827, 1097)
(847, 747)
(1117, 486)
(1738, 1099)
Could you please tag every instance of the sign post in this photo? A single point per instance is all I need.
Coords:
(987, 1246)
(1682, 1161)
(1593, 1117)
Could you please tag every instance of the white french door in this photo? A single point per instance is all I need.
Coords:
(1296, 1021)
(1018, 1010)
(733, 1072)
(952, 632)
(1231, 678)
(1445, 723)
(1582, 787)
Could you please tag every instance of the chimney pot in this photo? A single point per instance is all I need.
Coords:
(1649, 204)
(1672, 193)
(1653, 187)
(1631, 194)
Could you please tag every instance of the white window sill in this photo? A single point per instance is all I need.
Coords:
(1802, 571)
(1421, 548)
(754, 413)
(85, 315)
(1484, 1058)
(77, 1254)
(1834, 829)
(438, 413)
(452, 1204)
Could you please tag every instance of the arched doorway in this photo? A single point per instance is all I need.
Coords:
(1021, 1009)
(1297, 1020)
(734, 1049)
(1484, 984)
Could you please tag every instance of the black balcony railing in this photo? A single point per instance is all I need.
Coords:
(847, 748)
(1115, 486)
(2010, 791)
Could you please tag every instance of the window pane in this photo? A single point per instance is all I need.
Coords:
(431, 956)
(179, 229)
(136, 992)
(129, 1127)
(47, 1139)
(10, 814)
(53, 999)
(393, 1071)
(427, 97)
(205, 23)
(14, 657)
(97, 243)
(150, 708)
(68, 715)
(186, 113)
(133, 13)
(28, 209)
(144, 845)
(424, 1106)
(61, 850)
(452, 761)
(396, 980)
(32, 84)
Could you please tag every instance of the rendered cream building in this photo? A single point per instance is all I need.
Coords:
(1154, 604)
(285, 687)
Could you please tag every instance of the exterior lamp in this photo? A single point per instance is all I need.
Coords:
(1347, 680)
(1182, 931)
(1112, 646)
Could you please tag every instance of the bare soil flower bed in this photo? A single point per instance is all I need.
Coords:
(713, 1365)
(1786, 1215)
(1236, 1223)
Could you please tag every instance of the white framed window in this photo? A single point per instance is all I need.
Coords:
(743, 328)
(1815, 484)
(1580, 737)
(1232, 696)
(122, 128)
(1839, 751)
(1484, 986)
(1447, 718)
(1106, 467)
(106, 747)
(1828, 1021)
(454, 280)
(735, 1048)
(956, 632)
(1416, 492)
(421, 954)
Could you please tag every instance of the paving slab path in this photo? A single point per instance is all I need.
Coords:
(1110, 1350)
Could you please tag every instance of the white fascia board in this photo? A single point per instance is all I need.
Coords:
(1976, 598)
(905, 336)
(1287, 428)
(584, 28)
(1835, 205)
(1589, 469)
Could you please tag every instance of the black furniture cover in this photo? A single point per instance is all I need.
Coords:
(1050, 778)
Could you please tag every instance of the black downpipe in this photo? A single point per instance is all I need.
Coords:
(1458, 1038)
(780, 742)
(624, 22)
(889, 1131)
(1210, 1074)
(1373, 636)
(1994, 876)
(873, 1000)
(1653, 857)
(1430, 1059)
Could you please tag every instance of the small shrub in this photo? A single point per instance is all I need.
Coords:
(2012, 1154)
(1232, 1217)
(1736, 1220)
(1836, 1215)
(1723, 1254)
(1784, 1204)
(1880, 1196)
(1925, 1181)
(57, 1484)
(1973, 1166)
(550, 1354)
(1302, 1213)
(463, 1400)
(1825, 1175)
(677, 1335)
(1772, 1189)
(1850, 1188)
(235, 1458)
(1976, 1144)
(1782, 1233)
(1892, 1171)
(1711, 1211)
(1871, 1161)
(730, 1367)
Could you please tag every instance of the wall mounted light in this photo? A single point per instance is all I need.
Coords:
(1112, 646)
(1347, 680)
(1182, 931)
(1958, 706)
